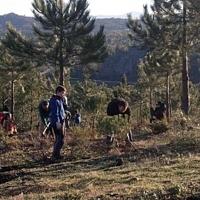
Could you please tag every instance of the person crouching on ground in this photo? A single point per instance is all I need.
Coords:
(9, 124)
(57, 118)
(44, 112)
(118, 106)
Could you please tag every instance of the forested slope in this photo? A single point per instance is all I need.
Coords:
(122, 60)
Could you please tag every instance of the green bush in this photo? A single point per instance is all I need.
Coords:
(186, 140)
(112, 125)
(158, 127)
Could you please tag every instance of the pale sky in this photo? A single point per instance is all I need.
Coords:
(96, 7)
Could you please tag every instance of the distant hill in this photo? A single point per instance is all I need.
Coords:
(24, 24)
(121, 62)
(21, 23)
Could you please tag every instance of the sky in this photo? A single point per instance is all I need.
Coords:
(96, 7)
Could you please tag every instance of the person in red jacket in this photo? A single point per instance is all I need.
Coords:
(1, 118)
(9, 125)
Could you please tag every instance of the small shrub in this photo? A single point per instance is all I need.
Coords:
(186, 141)
(80, 142)
(176, 191)
(113, 125)
(159, 127)
(179, 120)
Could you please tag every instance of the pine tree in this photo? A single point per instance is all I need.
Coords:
(12, 70)
(63, 38)
(173, 26)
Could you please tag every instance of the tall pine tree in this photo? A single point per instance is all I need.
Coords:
(63, 37)
(173, 26)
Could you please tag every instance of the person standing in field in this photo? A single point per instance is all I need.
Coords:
(57, 119)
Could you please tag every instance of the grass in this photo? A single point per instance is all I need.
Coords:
(161, 166)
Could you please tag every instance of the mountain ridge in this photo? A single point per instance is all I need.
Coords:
(24, 24)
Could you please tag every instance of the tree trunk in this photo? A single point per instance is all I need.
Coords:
(151, 103)
(12, 97)
(185, 86)
(61, 80)
(150, 97)
(141, 115)
(31, 110)
(185, 77)
(167, 97)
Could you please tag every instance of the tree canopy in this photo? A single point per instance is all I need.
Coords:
(63, 38)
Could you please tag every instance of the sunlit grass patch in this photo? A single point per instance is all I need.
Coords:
(186, 140)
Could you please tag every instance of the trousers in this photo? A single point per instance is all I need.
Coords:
(59, 141)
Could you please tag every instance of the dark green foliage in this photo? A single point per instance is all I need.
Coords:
(63, 37)
(92, 103)
(159, 127)
(171, 28)
(113, 125)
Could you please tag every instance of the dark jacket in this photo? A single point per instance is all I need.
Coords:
(158, 113)
(113, 108)
(44, 114)
(77, 119)
(57, 110)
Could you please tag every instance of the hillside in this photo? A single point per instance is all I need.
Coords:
(24, 24)
(121, 62)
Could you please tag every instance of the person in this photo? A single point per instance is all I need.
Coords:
(67, 119)
(1, 118)
(57, 119)
(77, 118)
(9, 125)
(44, 113)
(65, 103)
(67, 113)
(158, 112)
(119, 106)
(5, 108)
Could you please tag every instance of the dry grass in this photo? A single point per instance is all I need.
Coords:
(163, 166)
